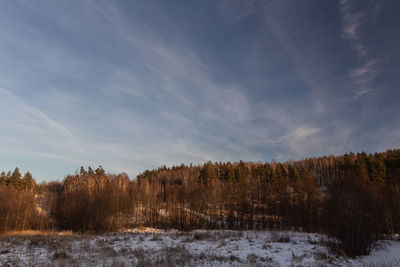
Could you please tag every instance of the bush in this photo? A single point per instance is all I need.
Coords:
(355, 215)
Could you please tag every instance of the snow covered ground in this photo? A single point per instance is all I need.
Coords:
(152, 247)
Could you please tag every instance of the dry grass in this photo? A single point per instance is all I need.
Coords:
(280, 237)
(36, 233)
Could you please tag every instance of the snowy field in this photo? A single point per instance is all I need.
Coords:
(152, 247)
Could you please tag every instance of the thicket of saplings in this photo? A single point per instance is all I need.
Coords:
(354, 197)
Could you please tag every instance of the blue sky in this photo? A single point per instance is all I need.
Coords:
(133, 85)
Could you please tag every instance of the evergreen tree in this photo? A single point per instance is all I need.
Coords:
(28, 181)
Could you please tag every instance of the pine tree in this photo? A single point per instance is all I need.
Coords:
(16, 180)
(28, 181)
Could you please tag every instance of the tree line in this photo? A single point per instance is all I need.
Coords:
(353, 197)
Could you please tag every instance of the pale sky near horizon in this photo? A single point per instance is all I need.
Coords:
(134, 85)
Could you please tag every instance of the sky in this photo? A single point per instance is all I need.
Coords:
(134, 85)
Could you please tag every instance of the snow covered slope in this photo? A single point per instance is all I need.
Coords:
(153, 247)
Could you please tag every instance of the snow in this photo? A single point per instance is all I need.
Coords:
(388, 255)
(155, 247)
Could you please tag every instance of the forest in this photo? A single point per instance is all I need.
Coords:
(353, 197)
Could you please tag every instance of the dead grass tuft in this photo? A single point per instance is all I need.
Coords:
(203, 236)
(60, 255)
(280, 237)
(155, 238)
(252, 259)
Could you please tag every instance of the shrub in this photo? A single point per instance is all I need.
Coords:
(355, 215)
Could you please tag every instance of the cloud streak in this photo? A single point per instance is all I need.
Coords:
(354, 20)
(33, 129)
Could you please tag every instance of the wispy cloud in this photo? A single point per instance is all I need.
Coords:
(354, 21)
(184, 77)
(307, 48)
(33, 129)
(100, 83)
